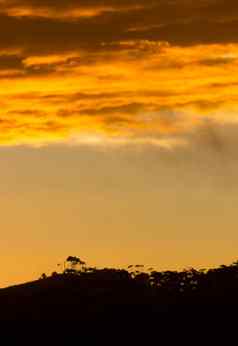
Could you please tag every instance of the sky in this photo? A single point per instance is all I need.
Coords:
(118, 134)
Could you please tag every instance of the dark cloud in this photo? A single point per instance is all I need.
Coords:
(217, 61)
(201, 104)
(131, 108)
(179, 22)
(10, 62)
(109, 113)
(211, 136)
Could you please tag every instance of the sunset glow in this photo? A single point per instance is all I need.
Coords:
(120, 116)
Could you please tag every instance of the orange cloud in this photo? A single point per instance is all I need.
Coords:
(146, 92)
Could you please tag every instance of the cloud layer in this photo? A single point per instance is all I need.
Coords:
(116, 72)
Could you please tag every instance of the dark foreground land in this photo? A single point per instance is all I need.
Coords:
(93, 294)
(135, 300)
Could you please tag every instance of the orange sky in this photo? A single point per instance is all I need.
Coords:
(117, 109)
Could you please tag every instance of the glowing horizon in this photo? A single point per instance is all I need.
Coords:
(118, 132)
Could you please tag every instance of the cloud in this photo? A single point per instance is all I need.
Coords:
(117, 71)
(50, 26)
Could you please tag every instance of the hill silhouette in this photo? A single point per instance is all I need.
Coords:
(88, 294)
(135, 298)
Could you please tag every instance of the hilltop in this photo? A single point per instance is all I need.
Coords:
(136, 297)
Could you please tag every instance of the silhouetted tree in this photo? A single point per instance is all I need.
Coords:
(43, 276)
(74, 263)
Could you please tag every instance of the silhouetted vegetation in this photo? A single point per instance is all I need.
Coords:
(136, 295)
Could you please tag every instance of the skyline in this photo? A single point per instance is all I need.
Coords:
(118, 133)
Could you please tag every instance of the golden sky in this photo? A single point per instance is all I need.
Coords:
(138, 99)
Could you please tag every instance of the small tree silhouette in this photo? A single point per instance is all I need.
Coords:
(75, 262)
(43, 276)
